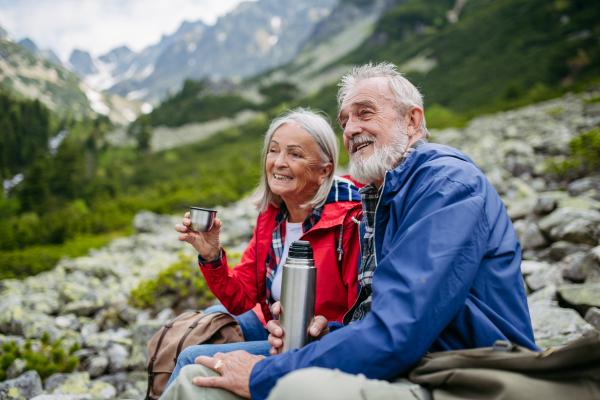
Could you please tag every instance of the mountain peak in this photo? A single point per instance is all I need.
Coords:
(82, 63)
(29, 45)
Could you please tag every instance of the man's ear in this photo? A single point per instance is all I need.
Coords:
(414, 119)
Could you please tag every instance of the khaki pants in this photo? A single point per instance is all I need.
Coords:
(310, 383)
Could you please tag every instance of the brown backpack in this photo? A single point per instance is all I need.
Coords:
(186, 330)
(508, 371)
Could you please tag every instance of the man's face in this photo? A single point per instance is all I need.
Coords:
(368, 117)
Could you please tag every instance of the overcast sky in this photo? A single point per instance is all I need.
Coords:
(98, 26)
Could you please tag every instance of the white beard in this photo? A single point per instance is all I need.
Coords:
(383, 159)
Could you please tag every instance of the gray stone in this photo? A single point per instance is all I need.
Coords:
(117, 355)
(68, 321)
(561, 249)
(16, 369)
(82, 308)
(592, 316)
(118, 380)
(77, 384)
(531, 267)
(572, 225)
(554, 326)
(165, 315)
(62, 397)
(519, 209)
(149, 222)
(545, 295)
(13, 320)
(545, 205)
(551, 275)
(585, 187)
(89, 328)
(529, 235)
(55, 381)
(581, 297)
(96, 366)
(24, 387)
(583, 266)
(141, 334)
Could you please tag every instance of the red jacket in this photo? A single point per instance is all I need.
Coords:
(336, 276)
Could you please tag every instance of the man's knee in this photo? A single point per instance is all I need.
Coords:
(189, 372)
(298, 384)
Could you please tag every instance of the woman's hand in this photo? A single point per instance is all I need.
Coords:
(318, 329)
(205, 243)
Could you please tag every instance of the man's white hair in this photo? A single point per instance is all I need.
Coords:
(405, 93)
(316, 125)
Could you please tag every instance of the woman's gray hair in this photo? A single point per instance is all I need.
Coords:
(317, 126)
(405, 93)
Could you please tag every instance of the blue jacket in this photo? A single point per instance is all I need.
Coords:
(448, 276)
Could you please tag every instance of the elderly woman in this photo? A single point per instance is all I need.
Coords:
(298, 199)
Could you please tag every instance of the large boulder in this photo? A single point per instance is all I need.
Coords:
(79, 385)
(554, 326)
(589, 187)
(593, 317)
(561, 249)
(581, 297)
(529, 234)
(549, 275)
(583, 265)
(24, 387)
(572, 225)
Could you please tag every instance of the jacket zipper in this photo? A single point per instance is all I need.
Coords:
(375, 221)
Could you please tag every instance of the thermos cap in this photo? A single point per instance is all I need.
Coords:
(301, 249)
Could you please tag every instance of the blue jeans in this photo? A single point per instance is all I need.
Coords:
(254, 332)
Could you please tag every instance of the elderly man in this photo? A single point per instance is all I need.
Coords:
(440, 265)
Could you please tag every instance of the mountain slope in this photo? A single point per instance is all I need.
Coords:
(254, 37)
(28, 76)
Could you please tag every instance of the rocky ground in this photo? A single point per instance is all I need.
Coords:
(84, 300)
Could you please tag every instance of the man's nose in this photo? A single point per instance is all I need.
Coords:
(352, 128)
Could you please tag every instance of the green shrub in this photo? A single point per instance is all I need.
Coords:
(47, 360)
(182, 279)
(584, 159)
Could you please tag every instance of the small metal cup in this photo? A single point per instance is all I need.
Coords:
(203, 219)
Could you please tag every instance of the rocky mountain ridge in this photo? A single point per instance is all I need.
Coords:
(254, 37)
(84, 300)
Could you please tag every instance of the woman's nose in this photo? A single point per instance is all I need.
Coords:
(281, 161)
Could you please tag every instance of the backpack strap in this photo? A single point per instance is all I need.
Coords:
(151, 363)
(190, 329)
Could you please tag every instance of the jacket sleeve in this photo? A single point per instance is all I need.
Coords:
(235, 288)
(429, 261)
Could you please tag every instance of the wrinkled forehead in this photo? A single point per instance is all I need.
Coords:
(372, 90)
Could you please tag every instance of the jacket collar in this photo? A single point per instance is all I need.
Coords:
(396, 178)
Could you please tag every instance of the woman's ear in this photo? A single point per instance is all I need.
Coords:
(325, 172)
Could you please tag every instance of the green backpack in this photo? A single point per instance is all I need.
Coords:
(508, 371)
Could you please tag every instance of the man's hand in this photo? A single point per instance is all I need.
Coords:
(235, 371)
(318, 329)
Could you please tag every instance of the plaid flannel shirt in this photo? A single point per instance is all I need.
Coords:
(370, 197)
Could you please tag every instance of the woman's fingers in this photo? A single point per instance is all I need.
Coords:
(319, 326)
(276, 308)
(181, 228)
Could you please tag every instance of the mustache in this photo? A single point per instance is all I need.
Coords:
(360, 140)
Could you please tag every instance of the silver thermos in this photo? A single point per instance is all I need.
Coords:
(298, 288)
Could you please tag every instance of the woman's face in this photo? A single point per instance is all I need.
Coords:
(294, 169)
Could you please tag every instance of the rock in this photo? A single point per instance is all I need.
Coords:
(55, 381)
(593, 317)
(554, 326)
(551, 275)
(77, 384)
(96, 366)
(545, 295)
(24, 387)
(148, 222)
(519, 209)
(531, 267)
(68, 321)
(529, 235)
(101, 390)
(82, 308)
(141, 333)
(561, 249)
(589, 187)
(61, 397)
(545, 205)
(16, 369)
(84, 354)
(573, 225)
(165, 315)
(118, 380)
(580, 297)
(13, 320)
(583, 265)
(117, 355)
